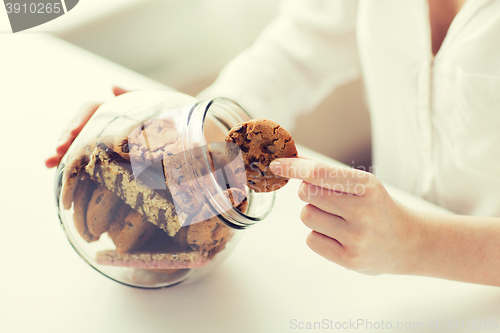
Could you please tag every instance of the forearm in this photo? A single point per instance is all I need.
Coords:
(462, 248)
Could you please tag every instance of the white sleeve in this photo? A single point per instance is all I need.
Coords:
(308, 50)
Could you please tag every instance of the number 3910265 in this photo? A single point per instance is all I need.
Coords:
(33, 8)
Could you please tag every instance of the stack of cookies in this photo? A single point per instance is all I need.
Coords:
(130, 188)
(137, 189)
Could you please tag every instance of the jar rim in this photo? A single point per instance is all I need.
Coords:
(232, 217)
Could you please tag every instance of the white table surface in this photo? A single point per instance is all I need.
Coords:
(271, 279)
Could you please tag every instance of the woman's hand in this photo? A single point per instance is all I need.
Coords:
(355, 222)
(74, 128)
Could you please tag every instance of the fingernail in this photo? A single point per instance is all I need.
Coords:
(276, 167)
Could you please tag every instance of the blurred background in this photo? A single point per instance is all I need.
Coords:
(185, 43)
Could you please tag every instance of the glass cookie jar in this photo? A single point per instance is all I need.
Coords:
(150, 195)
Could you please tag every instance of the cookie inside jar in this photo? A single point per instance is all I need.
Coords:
(149, 193)
(133, 194)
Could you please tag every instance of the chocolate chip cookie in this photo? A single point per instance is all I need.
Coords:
(179, 178)
(261, 141)
(209, 233)
(229, 170)
(147, 142)
(84, 190)
(147, 193)
(101, 209)
(116, 226)
(135, 231)
(238, 199)
(72, 175)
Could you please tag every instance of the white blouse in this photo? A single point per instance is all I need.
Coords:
(435, 120)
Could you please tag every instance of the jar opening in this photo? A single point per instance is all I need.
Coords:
(208, 124)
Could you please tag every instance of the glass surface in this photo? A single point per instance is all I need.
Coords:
(150, 195)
